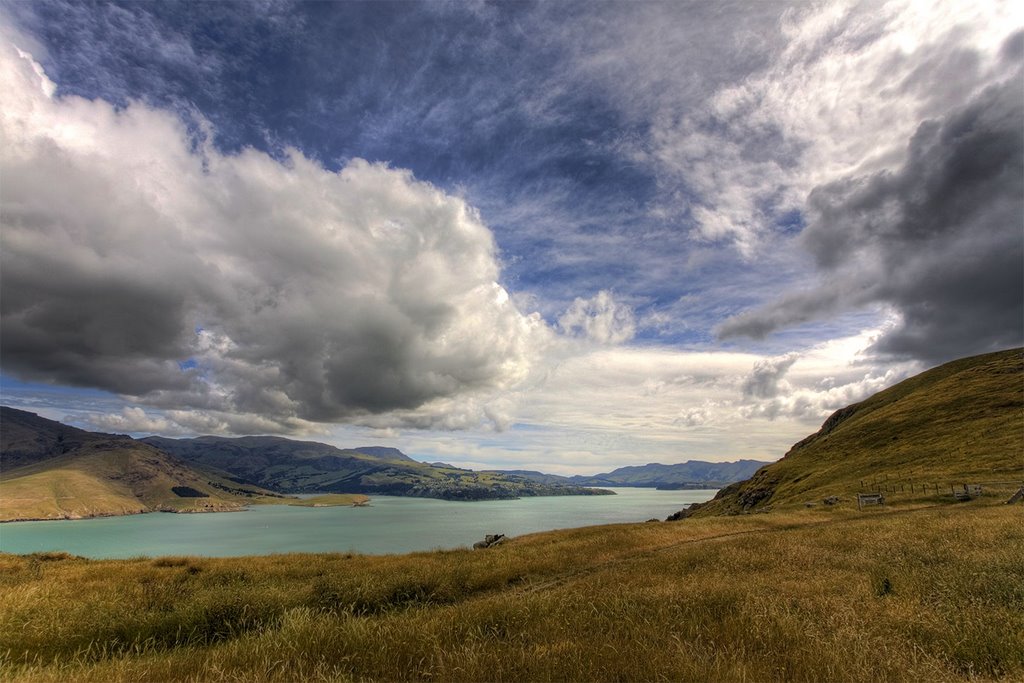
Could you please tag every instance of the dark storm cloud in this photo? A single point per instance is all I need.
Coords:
(76, 315)
(940, 240)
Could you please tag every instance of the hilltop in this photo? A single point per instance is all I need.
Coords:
(54, 471)
(962, 422)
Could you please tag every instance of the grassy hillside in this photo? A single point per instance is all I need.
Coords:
(72, 487)
(51, 471)
(962, 422)
(812, 595)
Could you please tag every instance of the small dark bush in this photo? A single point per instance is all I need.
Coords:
(52, 556)
(170, 562)
(188, 492)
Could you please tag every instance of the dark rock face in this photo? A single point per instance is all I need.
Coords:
(753, 496)
(684, 513)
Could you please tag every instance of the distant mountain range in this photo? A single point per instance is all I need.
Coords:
(307, 466)
(54, 471)
(693, 474)
(51, 470)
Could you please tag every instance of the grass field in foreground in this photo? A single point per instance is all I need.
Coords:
(917, 594)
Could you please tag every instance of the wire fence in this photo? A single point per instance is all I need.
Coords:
(961, 490)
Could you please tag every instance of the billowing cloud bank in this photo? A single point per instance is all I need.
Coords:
(939, 239)
(906, 162)
(251, 294)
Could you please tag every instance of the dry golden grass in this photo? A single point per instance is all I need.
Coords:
(920, 594)
(64, 491)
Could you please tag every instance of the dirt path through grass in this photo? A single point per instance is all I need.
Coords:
(636, 556)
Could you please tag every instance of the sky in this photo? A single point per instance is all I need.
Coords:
(563, 236)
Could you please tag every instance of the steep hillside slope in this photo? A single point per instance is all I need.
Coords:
(962, 422)
(52, 471)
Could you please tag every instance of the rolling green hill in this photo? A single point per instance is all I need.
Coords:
(53, 471)
(962, 422)
(307, 466)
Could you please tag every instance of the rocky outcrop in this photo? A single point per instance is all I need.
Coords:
(684, 513)
(490, 540)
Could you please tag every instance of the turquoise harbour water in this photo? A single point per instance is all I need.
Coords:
(388, 525)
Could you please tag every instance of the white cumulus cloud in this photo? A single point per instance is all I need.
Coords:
(139, 261)
(600, 318)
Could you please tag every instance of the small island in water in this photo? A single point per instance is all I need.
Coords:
(331, 500)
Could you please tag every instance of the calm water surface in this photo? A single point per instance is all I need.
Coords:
(388, 525)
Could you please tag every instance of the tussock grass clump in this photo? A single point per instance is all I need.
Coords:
(926, 594)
